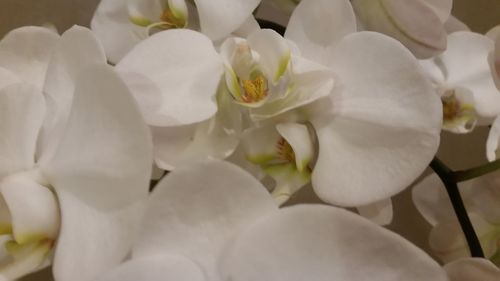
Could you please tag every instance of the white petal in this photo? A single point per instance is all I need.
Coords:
(431, 200)
(27, 259)
(147, 95)
(7, 77)
(105, 154)
(196, 209)
(215, 138)
(402, 20)
(469, 269)
(494, 34)
(156, 268)
(493, 141)
(385, 126)
(284, 152)
(442, 8)
(317, 25)
(472, 49)
(379, 212)
(448, 242)
(248, 27)
(260, 144)
(310, 82)
(111, 24)
(33, 208)
(453, 24)
(484, 196)
(75, 51)
(93, 240)
(149, 9)
(186, 69)
(273, 50)
(324, 243)
(299, 138)
(435, 72)
(218, 18)
(26, 51)
(22, 109)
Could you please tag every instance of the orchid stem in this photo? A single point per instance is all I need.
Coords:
(449, 179)
(475, 172)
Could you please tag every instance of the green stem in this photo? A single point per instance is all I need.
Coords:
(476, 172)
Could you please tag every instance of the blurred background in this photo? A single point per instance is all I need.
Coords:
(458, 152)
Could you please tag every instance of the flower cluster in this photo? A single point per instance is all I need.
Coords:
(161, 142)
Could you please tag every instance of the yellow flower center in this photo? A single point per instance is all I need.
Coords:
(254, 89)
(285, 150)
(451, 107)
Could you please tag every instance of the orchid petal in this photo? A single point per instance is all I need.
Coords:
(92, 240)
(26, 51)
(111, 24)
(299, 138)
(389, 148)
(273, 50)
(402, 20)
(148, 9)
(448, 242)
(494, 34)
(311, 82)
(147, 95)
(218, 18)
(76, 50)
(431, 200)
(269, 148)
(186, 69)
(156, 268)
(22, 109)
(492, 144)
(33, 208)
(105, 154)
(260, 144)
(215, 138)
(380, 212)
(442, 8)
(472, 49)
(248, 27)
(484, 196)
(196, 209)
(317, 25)
(452, 24)
(26, 259)
(7, 78)
(469, 269)
(327, 243)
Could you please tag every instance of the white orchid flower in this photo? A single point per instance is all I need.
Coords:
(492, 143)
(481, 198)
(418, 24)
(121, 24)
(320, 74)
(213, 221)
(472, 269)
(468, 94)
(70, 194)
